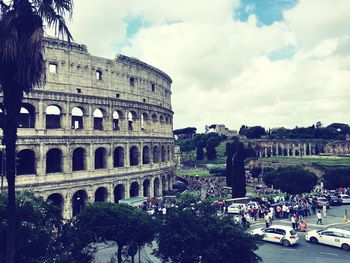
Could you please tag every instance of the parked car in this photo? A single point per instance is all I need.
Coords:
(334, 200)
(322, 201)
(253, 204)
(236, 208)
(332, 237)
(281, 203)
(345, 199)
(284, 235)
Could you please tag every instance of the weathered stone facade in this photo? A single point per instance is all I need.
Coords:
(99, 130)
(338, 148)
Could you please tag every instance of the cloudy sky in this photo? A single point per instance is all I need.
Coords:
(255, 62)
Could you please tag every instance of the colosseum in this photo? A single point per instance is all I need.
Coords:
(98, 130)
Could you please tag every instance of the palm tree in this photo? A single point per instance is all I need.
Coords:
(21, 68)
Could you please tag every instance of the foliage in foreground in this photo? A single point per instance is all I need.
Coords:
(190, 233)
(338, 177)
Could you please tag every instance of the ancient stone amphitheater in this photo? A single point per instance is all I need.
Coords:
(99, 130)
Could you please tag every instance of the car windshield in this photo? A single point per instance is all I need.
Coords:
(345, 197)
(292, 232)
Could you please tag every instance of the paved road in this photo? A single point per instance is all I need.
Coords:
(305, 251)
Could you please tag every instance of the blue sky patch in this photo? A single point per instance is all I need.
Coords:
(134, 25)
(266, 11)
(286, 52)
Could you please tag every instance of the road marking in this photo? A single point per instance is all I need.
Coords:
(331, 254)
(291, 249)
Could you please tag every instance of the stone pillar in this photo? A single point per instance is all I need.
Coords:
(288, 150)
(66, 123)
(67, 206)
(40, 117)
(126, 154)
(41, 161)
(90, 158)
(151, 187)
(265, 152)
(127, 189)
(109, 157)
(140, 187)
(89, 120)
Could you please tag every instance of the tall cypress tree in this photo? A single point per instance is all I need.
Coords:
(238, 172)
(229, 164)
(200, 151)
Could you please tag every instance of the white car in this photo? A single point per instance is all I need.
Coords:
(332, 237)
(345, 199)
(253, 204)
(236, 208)
(278, 234)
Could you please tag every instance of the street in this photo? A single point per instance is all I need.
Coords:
(305, 251)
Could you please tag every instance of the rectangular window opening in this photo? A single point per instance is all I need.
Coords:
(98, 74)
(53, 68)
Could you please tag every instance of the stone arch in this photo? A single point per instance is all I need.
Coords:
(296, 152)
(145, 155)
(101, 158)
(146, 188)
(98, 116)
(143, 120)
(285, 152)
(155, 154)
(156, 185)
(53, 117)
(163, 154)
(161, 119)
(134, 189)
(307, 145)
(118, 157)
(77, 121)
(26, 117)
(57, 200)
(119, 193)
(79, 201)
(169, 176)
(79, 159)
(116, 117)
(101, 194)
(166, 120)
(154, 118)
(168, 153)
(132, 116)
(134, 156)
(26, 162)
(54, 161)
(164, 184)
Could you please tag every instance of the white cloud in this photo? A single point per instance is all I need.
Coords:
(220, 67)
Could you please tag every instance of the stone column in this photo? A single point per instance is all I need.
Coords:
(90, 158)
(126, 155)
(66, 121)
(151, 187)
(67, 206)
(127, 189)
(109, 157)
(41, 161)
(89, 120)
(40, 117)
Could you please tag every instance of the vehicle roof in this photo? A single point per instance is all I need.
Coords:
(237, 204)
(281, 226)
(339, 230)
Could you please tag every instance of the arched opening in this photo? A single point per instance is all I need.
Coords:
(116, 117)
(100, 158)
(119, 193)
(168, 182)
(101, 194)
(118, 157)
(163, 153)
(79, 201)
(290, 151)
(134, 189)
(77, 118)
(134, 156)
(144, 119)
(146, 188)
(145, 155)
(307, 149)
(161, 119)
(53, 117)
(154, 118)
(296, 152)
(156, 187)
(155, 154)
(54, 161)
(131, 118)
(26, 117)
(25, 162)
(79, 159)
(57, 200)
(98, 120)
(168, 154)
(285, 152)
(164, 187)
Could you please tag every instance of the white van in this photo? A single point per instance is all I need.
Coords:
(236, 208)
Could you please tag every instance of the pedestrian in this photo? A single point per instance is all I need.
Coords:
(324, 210)
(292, 219)
(267, 220)
(319, 217)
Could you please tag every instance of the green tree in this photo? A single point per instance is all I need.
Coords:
(21, 68)
(200, 151)
(123, 224)
(337, 177)
(229, 163)
(238, 171)
(187, 234)
(212, 142)
(294, 180)
(217, 171)
(256, 171)
(255, 132)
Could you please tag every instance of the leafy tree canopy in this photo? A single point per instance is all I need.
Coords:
(187, 234)
(337, 177)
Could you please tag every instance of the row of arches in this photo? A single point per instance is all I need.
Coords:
(53, 118)
(26, 159)
(80, 198)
